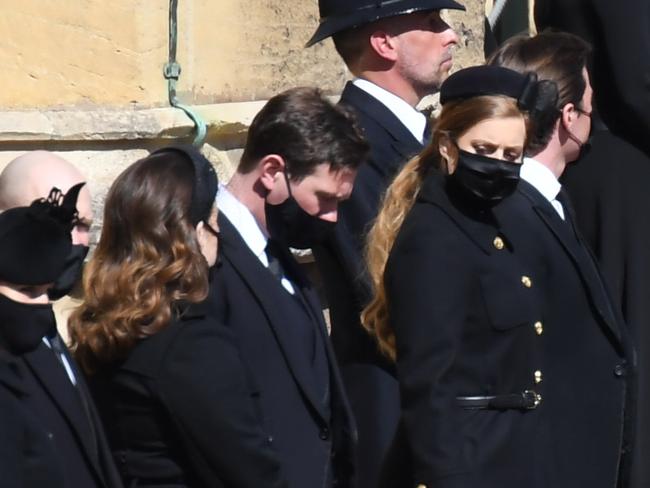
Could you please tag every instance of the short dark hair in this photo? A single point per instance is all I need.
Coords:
(306, 130)
(556, 56)
(349, 43)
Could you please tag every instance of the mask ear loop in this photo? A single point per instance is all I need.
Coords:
(286, 179)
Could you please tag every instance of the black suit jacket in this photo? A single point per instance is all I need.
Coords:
(464, 321)
(368, 375)
(588, 356)
(306, 433)
(178, 411)
(28, 455)
(70, 417)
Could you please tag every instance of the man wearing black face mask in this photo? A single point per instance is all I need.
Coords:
(299, 162)
(588, 360)
(50, 435)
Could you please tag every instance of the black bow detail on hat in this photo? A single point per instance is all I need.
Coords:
(59, 206)
(537, 96)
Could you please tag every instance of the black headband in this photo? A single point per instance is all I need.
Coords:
(205, 185)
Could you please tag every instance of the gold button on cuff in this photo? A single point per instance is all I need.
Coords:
(498, 243)
(526, 281)
(539, 328)
(538, 376)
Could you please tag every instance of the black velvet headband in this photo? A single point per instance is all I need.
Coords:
(35, 241)
(531, 95)
(206, 182)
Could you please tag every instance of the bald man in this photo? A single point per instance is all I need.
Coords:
(33, 175)
(56, 390)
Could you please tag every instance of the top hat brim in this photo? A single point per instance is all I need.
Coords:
(339, 22)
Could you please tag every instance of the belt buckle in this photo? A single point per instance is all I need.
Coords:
(532, 399)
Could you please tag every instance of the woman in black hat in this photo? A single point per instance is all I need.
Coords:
(454, 306)
(34, 244)
(167, 376)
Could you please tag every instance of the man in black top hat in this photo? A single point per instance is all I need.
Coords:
(399, 52)
(51, 434)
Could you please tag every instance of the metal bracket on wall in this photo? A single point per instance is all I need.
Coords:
(172, 72)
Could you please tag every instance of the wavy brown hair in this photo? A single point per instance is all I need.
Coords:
(147, 260)
(455, 119)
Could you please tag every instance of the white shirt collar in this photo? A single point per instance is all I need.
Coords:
(541, 178)
(244, 221)
(413, 120)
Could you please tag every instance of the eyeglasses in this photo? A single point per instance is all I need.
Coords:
(583, 112)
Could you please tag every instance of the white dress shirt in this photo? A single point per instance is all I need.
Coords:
(412, 119)
(244, 221)
(544, 182)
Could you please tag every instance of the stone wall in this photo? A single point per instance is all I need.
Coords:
(84, 79)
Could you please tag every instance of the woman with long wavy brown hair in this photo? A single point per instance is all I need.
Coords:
(167, 376)
(454, 305)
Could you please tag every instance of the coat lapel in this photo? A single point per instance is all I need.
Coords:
(402, 139)
(568, 237)
(268, 293)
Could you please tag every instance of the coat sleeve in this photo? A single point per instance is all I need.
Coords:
(428, 284)
(204, 387)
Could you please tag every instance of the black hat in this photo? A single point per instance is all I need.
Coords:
(35, 241)
(339, 15)
(206, 182)
(478, 81)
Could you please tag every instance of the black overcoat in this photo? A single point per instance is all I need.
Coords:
(465, 310)
(70, 417)
(178, 411)
(589, 360)
(368, 375)
(621, 65)
(309, 436)
(609, 186)
(28, 455)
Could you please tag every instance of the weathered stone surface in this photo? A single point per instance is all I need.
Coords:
(84, 79)
(96, 53)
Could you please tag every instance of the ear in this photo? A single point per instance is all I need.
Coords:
(201, 234)
(271, 167)
(568, 116)
(384, 45)
(447, 149)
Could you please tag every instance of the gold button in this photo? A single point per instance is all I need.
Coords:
(538, 376)
(422, 486)
(539, 328)
(527, 282)
(498, 243)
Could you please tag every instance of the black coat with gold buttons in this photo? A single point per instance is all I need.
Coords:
(467, 319)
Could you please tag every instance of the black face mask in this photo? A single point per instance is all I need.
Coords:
(70, 274)
(289, 224)
(485, 181)
(23, 325)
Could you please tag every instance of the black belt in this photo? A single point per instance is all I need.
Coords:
(526, 400)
